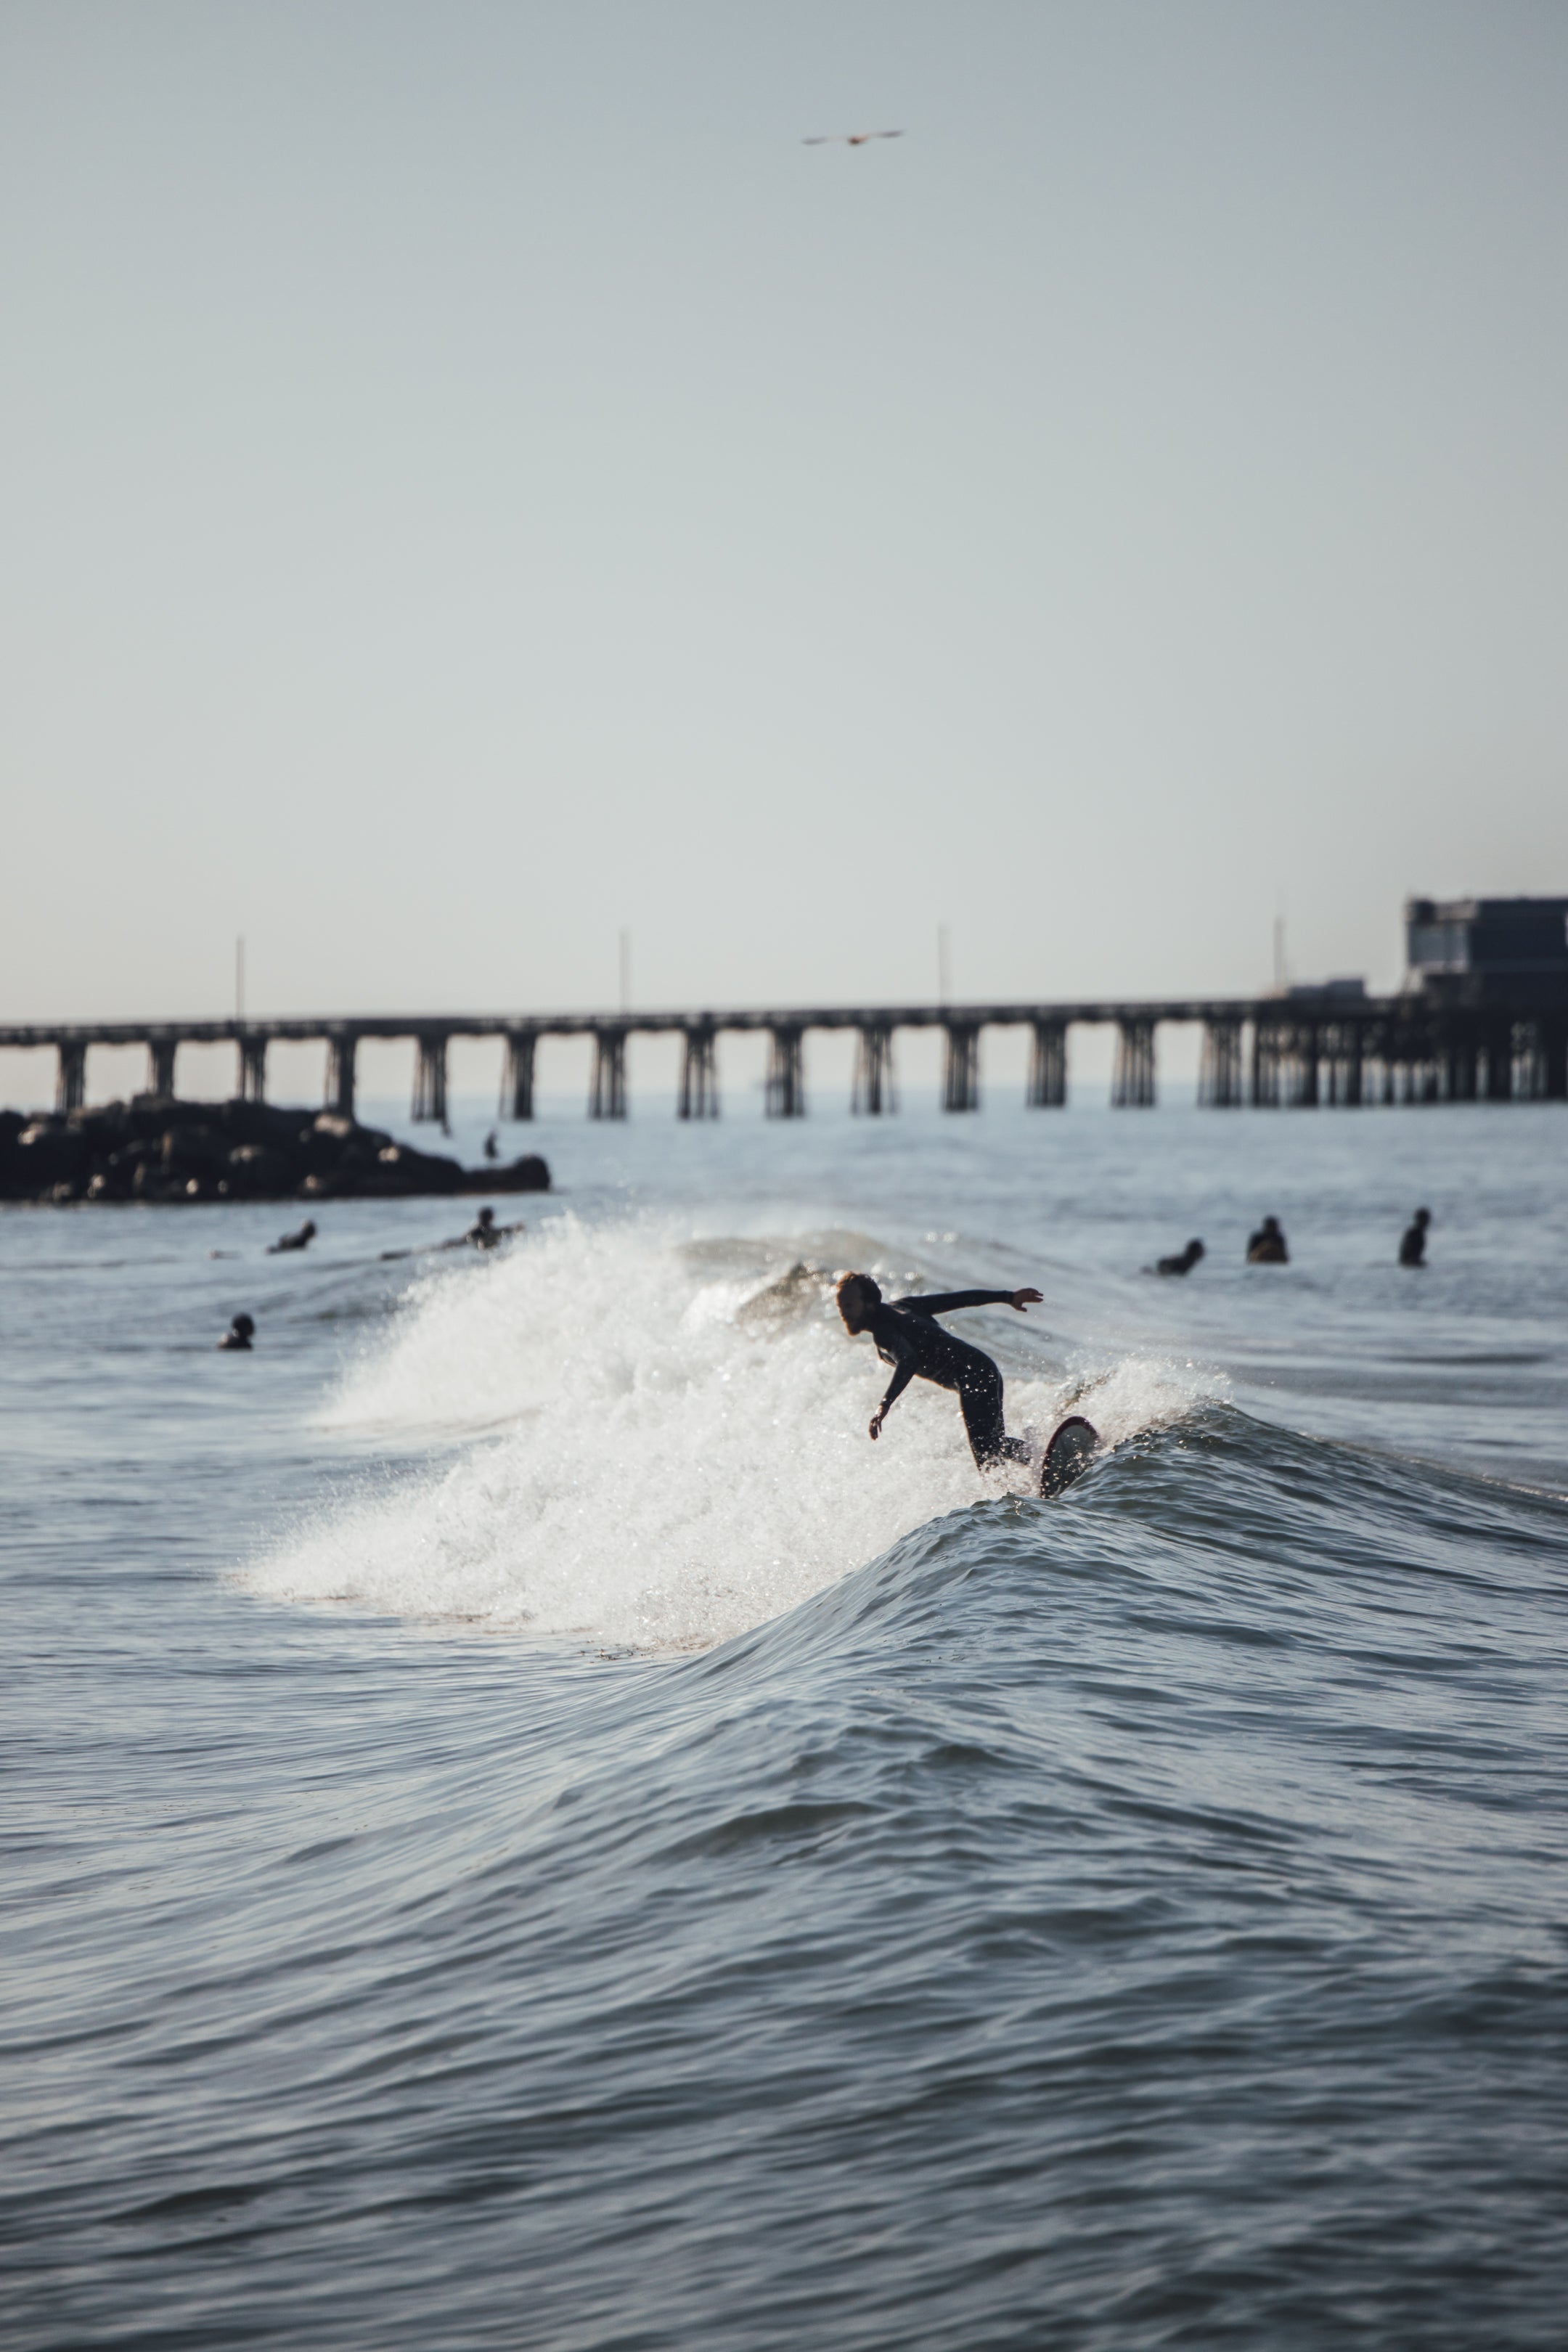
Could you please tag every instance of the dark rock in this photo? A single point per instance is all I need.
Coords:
(152, 1149)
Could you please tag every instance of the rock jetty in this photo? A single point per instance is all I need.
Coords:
(155, 1148)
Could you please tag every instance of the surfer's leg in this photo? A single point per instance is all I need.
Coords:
(980, 1396)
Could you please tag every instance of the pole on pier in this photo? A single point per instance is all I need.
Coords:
(1219, 1070)
(961, 1066)
(607, 1095)
(430, 1080)
(785, 1092)
(342, 1047)
(1133, 1081)
(517, 1078)
(699, 1096)
(71, 1086)
(161, 1052)
(253, 1069)
(1047, 1088)
(874, 1090)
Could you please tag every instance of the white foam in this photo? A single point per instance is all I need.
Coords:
(670, 1471)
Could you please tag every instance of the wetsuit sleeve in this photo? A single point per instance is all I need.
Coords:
(947, 1302)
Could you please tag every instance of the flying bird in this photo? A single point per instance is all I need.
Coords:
(849, 138)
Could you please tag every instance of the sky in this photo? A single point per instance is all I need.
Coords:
(474, 482)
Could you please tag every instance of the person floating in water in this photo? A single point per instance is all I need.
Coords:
(1183, 1264)
(484, 1234)
(492, 1146)
(1413, 1242)
(1267, 1246)
(239, 1335)
(302, 1240)
(909, 1338)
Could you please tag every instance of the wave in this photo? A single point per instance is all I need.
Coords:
(660, 1442)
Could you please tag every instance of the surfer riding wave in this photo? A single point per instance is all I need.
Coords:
(907, 1337)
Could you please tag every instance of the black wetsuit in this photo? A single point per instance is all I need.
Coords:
(919, 1348)
(1412, 1245)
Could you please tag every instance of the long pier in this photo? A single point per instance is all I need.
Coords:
(1303, 1049)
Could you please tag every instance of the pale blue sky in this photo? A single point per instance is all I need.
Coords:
(474, 480)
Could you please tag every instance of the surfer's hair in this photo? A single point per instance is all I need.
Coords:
(856, 1295)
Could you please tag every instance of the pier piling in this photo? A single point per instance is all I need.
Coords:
(1047, 1088)
(430, 1079)
(873, 1092)
(699, 1096)
(961, 1066)
(517, 1078)
(607, 1094)
(70, 1085)
(1219, 1070)
(161, 1052)
(785, 1092)
(341, 1053)
(1132, 1081)
(253, 1070)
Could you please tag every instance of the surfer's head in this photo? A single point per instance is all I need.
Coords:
(858, 1299)
(1422, 1216)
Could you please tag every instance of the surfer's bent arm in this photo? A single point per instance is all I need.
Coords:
(904, 1372)
(948, 1302)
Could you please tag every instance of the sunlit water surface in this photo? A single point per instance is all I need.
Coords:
(525, 1829)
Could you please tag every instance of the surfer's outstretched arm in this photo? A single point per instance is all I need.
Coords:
(948, 1302)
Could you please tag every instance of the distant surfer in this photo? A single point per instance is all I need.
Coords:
(492, 1146)
(238, 1335)
(1182, 1262)
(907, 1337)
(484, 1234)
(1267, 1246)
(302, 1240)
(1413, 1242)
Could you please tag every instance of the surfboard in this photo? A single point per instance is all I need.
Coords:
(1068, 1454)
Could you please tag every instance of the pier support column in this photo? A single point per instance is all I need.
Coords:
(1046, 1086)
(1132, 1083)
(1219, 1071)
(253, 1069)
(71, 1086)
(517, 1078)
(161, 1052)
(961, 1071)
(1498, 1052)
(1265, 1066)
(1347, 1065)
(786, 1095)
(1306, 1049)
(341, 1050)
(874, 1091)
(1552, 1045)
(699, 1096)
(607, 1095)
(430, 1080)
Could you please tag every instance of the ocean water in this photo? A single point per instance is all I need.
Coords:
(524, 1829)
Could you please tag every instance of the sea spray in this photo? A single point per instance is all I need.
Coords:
(646, 1460)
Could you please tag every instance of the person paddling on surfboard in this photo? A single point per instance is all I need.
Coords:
(909, 1338)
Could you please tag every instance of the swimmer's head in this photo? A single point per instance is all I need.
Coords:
(486, 1216)
(308, 1228)
(1195, 1251)
(858, 1298)
(243, 1327)
(1422, 1216)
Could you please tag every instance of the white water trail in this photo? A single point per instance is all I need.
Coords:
(662, 1464)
